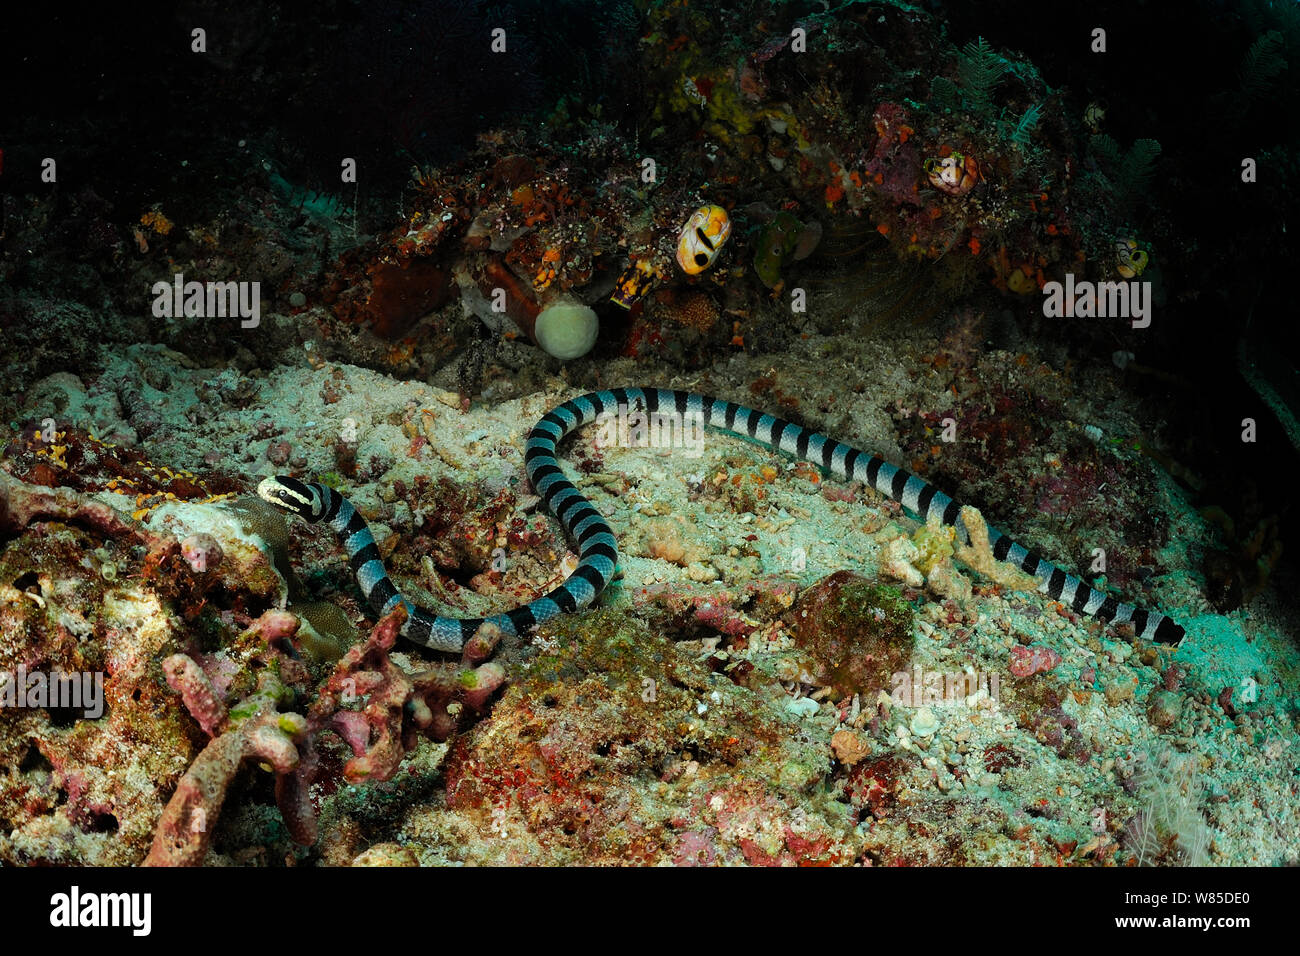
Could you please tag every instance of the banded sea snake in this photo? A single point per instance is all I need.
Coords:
(598, 550)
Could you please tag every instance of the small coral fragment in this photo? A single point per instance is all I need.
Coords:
(899, 555)
(924, 723)
(386, 854)
(187, 679)
(934, 542)
(848, 747)
(946, 581)
(978, 555)
(1164, 707)
(202, 552)
(1026, 661)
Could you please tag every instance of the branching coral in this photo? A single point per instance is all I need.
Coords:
(185, 829)
(21, 504)
(978, 555)
(398, 708)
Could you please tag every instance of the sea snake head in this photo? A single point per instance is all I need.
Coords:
(290, 494)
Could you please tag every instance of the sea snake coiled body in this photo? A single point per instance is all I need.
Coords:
(598, 550)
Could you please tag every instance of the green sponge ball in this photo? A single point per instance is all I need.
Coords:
(566, 329)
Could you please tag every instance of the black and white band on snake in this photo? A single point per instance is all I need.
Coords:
(598, 550)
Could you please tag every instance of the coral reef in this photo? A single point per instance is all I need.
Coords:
(841, 214)
(581, 756)
(83, 780)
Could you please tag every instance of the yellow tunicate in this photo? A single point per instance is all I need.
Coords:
(1020, 282)
(935, 544)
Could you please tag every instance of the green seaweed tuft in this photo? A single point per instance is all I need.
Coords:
(1023, 131)
(333, 480)
(979, 71)
(1140, 166)
(1129, 172)
(944, 94)
(1261, 65)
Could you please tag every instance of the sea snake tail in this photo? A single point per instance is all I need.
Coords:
(598, 550)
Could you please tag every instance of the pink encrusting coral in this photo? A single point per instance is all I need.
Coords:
(186, 678)
(262, 734)
(1026, 661)
(398, 707)
(202, 551)
(83, 788)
